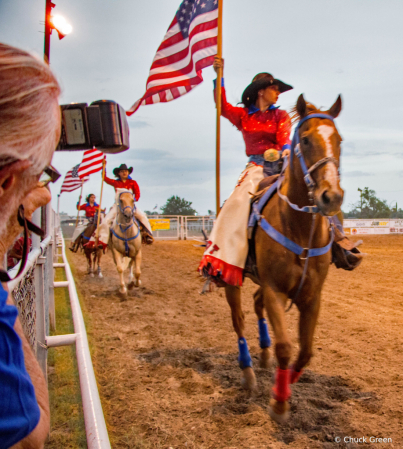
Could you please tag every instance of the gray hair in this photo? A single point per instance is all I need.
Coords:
(29, 111)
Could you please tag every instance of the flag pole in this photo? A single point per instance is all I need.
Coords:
(100, 203)
(79, 201)
(218, 105)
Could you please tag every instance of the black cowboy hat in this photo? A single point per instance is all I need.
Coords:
(259, 82)
(87, 198)
(122, 167)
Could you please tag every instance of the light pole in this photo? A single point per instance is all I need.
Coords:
(57, 23)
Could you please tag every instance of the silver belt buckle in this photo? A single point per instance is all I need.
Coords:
(271, 155)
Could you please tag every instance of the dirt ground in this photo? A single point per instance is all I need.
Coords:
(166, 359)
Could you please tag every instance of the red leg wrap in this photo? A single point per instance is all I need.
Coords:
(295, 375)
(281, 390)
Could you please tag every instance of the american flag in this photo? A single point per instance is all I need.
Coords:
(189, 45)
(92, 162)
(72, 181)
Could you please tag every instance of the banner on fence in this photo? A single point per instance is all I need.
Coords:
(160, 224)
(373, 226)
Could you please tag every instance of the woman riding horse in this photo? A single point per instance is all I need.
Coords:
(266, 132)
(90, 208)
(124, 181)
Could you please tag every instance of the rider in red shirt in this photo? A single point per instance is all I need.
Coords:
(124, 181)
(90, 206)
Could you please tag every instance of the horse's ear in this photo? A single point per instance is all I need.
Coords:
(301, 106)
(334, 111)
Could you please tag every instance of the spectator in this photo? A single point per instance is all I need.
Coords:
(29, 133)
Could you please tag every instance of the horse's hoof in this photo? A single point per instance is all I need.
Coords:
(92, 275)
(248, 380)
(131, 286)
(100, 275)
(279, 411)
(265, 360)
(138, 283)
(122, 295)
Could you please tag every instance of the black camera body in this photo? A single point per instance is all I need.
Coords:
(102, 124)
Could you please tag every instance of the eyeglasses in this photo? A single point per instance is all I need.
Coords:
(49, 174)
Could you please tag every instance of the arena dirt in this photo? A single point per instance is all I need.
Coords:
(166, 359)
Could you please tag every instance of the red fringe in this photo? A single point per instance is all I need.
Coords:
(281, 389)
(230, 274)
(89, 245)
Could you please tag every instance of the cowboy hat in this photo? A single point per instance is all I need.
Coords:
(259, 82)
(122, 167)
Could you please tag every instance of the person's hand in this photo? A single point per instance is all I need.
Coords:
(285, 153)
(38, 197)
(218, 63)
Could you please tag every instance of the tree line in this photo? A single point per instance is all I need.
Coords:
(370, 206)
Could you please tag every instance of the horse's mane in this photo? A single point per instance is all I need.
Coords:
(295, 117)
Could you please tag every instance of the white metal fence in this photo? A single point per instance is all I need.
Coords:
(33, 293)
(181, 227)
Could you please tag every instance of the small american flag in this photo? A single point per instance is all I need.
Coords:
(189, 45)
(92, 162)
(72, 181)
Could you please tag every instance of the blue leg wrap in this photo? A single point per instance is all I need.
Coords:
(264, 337)
(244, 359)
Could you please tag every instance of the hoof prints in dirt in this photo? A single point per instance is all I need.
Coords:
(320, 404)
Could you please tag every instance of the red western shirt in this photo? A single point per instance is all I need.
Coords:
(89, 210)
(261, 131)
(130, 184)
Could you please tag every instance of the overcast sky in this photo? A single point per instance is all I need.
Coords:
(322, 48)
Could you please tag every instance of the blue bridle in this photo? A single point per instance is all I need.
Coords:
(124, 231)
(310, 183)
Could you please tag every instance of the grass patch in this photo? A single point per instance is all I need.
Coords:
(67, 418)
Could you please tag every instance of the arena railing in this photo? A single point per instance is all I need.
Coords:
(183, 227)
(33, 293)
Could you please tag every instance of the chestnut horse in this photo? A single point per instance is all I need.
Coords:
(92, 253)
(293, 221)
(125, 241)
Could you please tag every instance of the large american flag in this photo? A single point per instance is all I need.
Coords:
(189, 45)
(92, 162)
(72, 181)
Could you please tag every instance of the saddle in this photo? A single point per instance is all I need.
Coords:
(345, 253)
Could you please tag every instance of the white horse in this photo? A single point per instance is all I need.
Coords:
(125, 241)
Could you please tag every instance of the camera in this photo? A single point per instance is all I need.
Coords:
(102, 124)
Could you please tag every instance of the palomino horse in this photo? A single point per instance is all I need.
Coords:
(125, 241)
(92, 253)
(293, 250)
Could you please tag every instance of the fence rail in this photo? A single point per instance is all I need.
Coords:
(33, 293)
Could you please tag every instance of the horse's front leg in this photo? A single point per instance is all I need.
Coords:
(99, 255)
(307, 323)
(233, 295)
(275, 304)
(120, 266)
(264, 337)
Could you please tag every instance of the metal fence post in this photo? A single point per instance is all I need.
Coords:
(41, 352)
(49, 270)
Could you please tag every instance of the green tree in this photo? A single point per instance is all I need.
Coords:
(370, 206)
(177, 206)
(154, 212)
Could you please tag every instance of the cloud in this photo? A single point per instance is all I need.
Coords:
(139, 124)
(357, 173)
